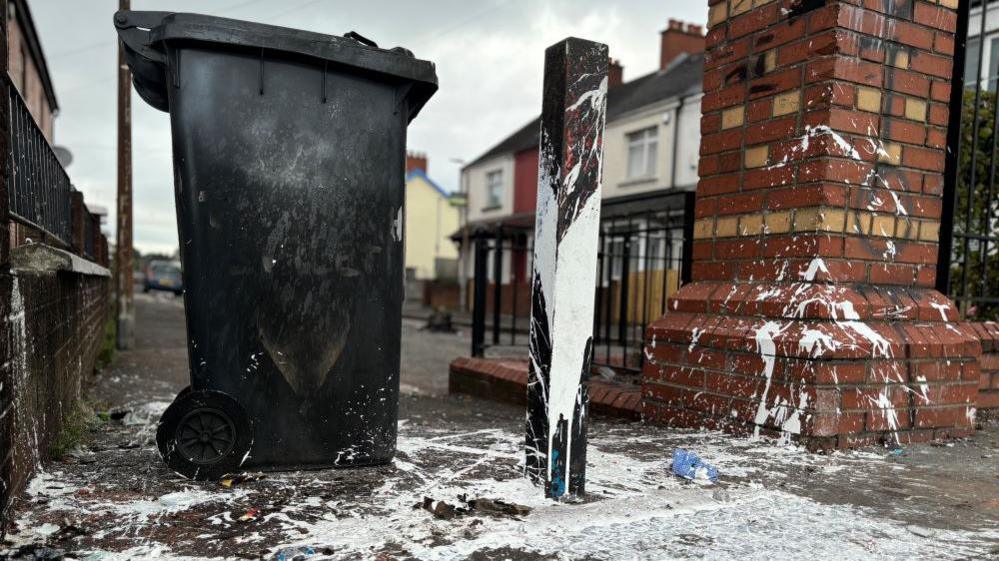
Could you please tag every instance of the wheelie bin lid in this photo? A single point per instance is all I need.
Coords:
(144, 34)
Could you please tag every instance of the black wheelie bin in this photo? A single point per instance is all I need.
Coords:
(289, 154)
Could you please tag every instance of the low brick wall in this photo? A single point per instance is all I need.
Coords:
(988, 387)
(442, 294)
(505, 380)
(51, 327)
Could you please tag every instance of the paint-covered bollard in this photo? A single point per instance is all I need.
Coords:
(289, 154)
(565, 264)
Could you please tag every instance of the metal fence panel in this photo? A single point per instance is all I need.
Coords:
(38, 187)
(643, 257)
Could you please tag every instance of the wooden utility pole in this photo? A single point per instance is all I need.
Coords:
(125, 312)
(565, 264)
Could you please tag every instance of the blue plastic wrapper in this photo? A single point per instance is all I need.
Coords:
(294, 553)
(689, 465)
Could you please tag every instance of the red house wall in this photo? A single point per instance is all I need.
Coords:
(525, 199)
(525, 181)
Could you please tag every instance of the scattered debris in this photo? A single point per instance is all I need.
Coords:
(689, 466)
(439, 322)
(118, 414)
(231, 480)
(299, 553)
(250, 515)
(489, 507)
(441, 509)
(34, 552)
(498, 507)
(606, 373)
(294, 553)
(69, 531)
(81, 456)
(920, 531)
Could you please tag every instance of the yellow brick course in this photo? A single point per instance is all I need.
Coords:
(756, 156)
(869, 99)
(733, 117)
(785, 103)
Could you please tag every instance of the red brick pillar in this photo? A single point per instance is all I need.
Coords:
(812, 313)
(78, 215)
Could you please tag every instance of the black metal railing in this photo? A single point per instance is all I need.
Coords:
(91, 228)
(37, 185)
(644, 255)
(968, 264)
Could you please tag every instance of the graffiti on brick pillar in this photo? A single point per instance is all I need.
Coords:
(565, 257)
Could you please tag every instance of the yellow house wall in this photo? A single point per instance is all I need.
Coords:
(430, 221)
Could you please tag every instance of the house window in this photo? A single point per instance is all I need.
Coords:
(494, 189)
(642, 148)
(615, 253)
(990, 70)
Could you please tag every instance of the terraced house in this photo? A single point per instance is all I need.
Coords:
(650, 172)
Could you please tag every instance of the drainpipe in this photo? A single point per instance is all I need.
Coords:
(676, 143)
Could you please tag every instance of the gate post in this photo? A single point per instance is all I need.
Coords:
(812, 312)
(565, 263)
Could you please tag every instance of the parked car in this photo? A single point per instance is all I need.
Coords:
(163, 275)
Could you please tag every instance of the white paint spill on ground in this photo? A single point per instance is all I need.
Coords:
(636, 508)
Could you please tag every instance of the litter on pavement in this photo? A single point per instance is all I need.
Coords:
(689, 465)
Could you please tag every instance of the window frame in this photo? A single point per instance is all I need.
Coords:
(645, 140)
(494, 190)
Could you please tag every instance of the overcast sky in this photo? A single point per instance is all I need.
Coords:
(489, 56)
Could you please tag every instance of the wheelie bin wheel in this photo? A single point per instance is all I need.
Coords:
(204, 435)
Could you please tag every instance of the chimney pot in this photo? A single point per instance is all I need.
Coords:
(615, 73)
(679, 38)
(416, 161)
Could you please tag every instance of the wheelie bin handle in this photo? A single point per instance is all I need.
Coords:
(135, 32)
(365, 41)
(360, 39)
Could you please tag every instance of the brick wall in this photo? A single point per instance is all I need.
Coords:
(827, 124)
(812, 313)
(51, 327)
(988, 387)
(25, 74)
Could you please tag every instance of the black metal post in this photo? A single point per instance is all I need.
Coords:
(686, 272)
(497, 285)
(565, 258)
(479, 297)
(622, 305)
(957, 93)
(516, 253)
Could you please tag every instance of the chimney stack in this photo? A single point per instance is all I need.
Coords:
(615, 73)
(416, 160)
(679, 38)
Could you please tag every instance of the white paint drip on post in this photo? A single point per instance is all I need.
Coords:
(565, 264)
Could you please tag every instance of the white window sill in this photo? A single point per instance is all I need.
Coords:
(638, 181)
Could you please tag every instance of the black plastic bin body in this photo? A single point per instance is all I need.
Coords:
(289, 181)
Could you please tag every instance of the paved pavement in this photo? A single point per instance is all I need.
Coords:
(113, 498)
